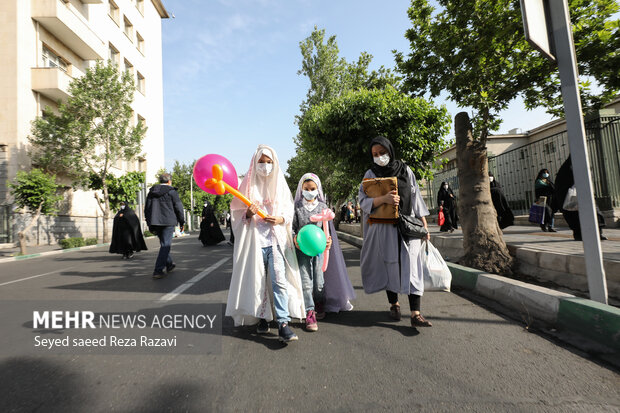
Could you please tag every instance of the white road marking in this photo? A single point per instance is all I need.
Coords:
(34, 276)
(171, 295)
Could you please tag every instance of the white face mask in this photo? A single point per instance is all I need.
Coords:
(264, 169)
(122, 206)
(490, 179)
(445, 187)
(382, 160)
(310, 195)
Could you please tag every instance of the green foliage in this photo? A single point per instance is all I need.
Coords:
(36, 189)
(90, 241)
(93, 127)
(123, 188)
(475, 50)
(72, 242)
(338, 132)
(148, 234)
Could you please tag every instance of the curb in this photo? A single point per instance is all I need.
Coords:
(586, 318)
(53, 252)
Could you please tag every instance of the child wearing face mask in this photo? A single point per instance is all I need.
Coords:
(307, 203)
(265, 271)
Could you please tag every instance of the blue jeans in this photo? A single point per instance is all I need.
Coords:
(164, 259)
(312, 280)
(278, 283)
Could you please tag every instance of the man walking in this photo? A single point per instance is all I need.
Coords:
(163, 210)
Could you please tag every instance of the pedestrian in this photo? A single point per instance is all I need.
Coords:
(228, 220)
(387, 261)
(351, 212)
(264, 255)
(505, 217)
(358, 213)
(563, 181)
(127, 235)
(543, 186)
(447, 201)
(210, 232)
(163, 209)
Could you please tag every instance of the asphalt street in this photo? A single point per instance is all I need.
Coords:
(472, 359)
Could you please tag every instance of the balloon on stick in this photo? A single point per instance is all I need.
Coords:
(325, 216)
(311, 240)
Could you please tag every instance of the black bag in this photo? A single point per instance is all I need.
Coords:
(411, 227)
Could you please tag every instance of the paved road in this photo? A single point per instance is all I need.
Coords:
(471, 360)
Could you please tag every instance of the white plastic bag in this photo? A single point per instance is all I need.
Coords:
(570, 202)
(437, 275)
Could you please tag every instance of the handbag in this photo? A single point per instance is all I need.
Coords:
(441, 219)
(537, 211)
(411, 227)
(570, 202)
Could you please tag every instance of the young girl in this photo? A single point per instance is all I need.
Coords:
(264, 246)
(322, 292)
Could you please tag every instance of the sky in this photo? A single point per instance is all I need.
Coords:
(230, 70)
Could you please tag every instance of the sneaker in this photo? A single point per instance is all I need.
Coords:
(419, 321)
(130, 255)
(311, 324)
(263, 327)
(171, 267)
(286, 334)
(158, 274)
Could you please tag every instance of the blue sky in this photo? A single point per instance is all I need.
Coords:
(230, 70)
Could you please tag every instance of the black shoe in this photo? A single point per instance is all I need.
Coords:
(285, 334)
(604, 238)
(158, 274)
(170, 267)
(263, 327)
(544, 228)
(130, 255)
(551, 229)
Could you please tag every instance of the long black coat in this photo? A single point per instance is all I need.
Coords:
(449, 208)
(210, 231)
(505, 217)
(126, 233)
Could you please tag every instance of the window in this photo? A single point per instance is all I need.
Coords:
(128, 29)
(140, 43)
(51, 59)
(114, 55)
(128, 67)
(141, 83)
(113, 12)
(140, 6)
(550, 148)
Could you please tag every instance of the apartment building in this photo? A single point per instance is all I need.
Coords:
(47, 43)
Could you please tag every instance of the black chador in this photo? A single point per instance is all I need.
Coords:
(126, 233)
(210, 232)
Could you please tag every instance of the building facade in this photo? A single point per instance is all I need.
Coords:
(46, 44)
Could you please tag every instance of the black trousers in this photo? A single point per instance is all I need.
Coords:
(414, 300)
(572, 219)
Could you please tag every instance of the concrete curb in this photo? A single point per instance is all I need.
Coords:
(586, 318)
(53, 252)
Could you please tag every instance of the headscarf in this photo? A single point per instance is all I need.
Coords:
(262, 189)
(396, 168)
(539, 176)
(309, 177)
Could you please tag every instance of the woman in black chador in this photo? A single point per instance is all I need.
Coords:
(446, 199)
(505, 217)
(126, 233)
(210, 232)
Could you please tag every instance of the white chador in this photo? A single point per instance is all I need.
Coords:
(250, 294)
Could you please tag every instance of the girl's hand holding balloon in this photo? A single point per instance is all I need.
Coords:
(296, 244)
(329, 242)
(252, 210)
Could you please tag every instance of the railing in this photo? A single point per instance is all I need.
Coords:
(6, 234)
(516, 169)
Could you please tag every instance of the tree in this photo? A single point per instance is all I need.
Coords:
(34, 191)
(91, 132)
(475, 50)
(122, 188)
(338, 132)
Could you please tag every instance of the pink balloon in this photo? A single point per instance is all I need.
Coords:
(203, 171)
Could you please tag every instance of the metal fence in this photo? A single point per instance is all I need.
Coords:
(516, 169)
(6, 234)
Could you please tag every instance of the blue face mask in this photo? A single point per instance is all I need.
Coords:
(545, 175)
(310, 195)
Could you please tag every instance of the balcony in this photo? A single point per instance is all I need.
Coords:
(51, 82)
(69, 27)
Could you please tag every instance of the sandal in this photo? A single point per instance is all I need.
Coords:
(395, 312)
(419, 321)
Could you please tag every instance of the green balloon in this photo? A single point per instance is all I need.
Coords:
(311, 240)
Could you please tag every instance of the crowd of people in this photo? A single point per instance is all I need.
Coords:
(274, 280)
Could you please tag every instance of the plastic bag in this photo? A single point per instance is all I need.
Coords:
(441, 219)
(437, 275)
(537, 214)
(570, 202)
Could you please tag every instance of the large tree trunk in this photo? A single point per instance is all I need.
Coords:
(106, 212)
(22, 234)
(483, 242)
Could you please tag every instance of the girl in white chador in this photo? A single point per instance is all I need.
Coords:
(264, 247)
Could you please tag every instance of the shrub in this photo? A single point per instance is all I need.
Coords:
(148, 233)
(91, 241)
(72, 242)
